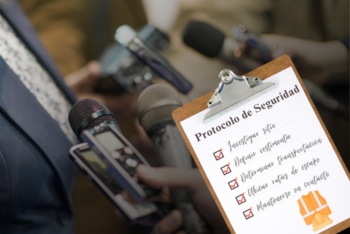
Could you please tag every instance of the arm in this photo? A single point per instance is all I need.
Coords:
(320, 62)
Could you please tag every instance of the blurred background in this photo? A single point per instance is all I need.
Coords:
(315, 33)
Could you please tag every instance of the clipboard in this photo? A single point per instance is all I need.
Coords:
(201, 104)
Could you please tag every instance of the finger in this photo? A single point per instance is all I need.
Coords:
(94, 69)
(91, 72)
(127, 197)
(165, 195)
(170, 224)
(170, 177)
(280, 44)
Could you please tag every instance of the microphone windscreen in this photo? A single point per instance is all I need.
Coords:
(156, 104)
(82, 110)
(204, 38)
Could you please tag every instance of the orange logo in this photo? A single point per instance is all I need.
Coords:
(315, 210)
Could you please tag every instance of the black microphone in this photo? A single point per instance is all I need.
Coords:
(128, 38)
(212, 43)
(89, 113)
(154, 107)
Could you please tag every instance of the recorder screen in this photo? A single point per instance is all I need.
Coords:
(109, 141)
(102, 170)
(93, 160)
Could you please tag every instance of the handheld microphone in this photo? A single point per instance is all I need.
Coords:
(212, 43)
(154, 107)
(122, 70)
(128, 38)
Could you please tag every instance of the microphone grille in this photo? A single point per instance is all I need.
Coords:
(204, 38)
(156, 104)
(84, 109)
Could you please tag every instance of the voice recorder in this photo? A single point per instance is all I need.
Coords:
(110, 160)
(100, 171)
(111, 145)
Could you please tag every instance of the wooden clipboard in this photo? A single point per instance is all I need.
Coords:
(200, 104)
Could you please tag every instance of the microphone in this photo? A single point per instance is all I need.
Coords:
(122, 70)
(94, 124)
(154, 107)
(110, 161)
(212, 43)
(128, 38)
(89, 113)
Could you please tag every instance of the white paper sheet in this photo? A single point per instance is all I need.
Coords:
(277, 154)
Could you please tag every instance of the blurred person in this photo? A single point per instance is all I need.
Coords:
(74, 32)
(36, 175)
(316, 35)
(321, 62)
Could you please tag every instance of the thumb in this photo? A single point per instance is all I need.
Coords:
(169, 177)
(276, 44)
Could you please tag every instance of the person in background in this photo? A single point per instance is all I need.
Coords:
(317, 38)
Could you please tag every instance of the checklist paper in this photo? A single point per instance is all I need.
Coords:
(271, 164)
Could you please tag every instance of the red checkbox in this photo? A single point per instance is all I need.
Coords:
(218, 154)
(233, 184)
(226, 169)
(248, 213)
(241, 199)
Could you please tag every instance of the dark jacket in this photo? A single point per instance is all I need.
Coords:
(36, 174)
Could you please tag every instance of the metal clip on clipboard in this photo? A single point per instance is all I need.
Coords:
(234, 91)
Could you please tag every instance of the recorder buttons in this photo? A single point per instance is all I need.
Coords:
(116, 155)
(131, 162)
(127, 150)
